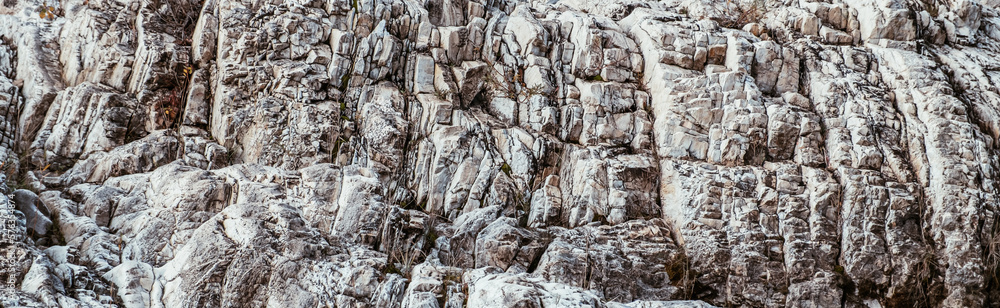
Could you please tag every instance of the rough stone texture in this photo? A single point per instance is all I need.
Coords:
(500, 153)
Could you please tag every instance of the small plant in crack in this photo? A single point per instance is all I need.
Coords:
(681, 275)
(745, 12)
(402, 258)
(513, 87)
(171, 103)
(48, 12)
(179, 18)
(15, 172)
(169, 107)
(926, 269)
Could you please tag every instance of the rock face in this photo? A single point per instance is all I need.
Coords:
(500, 153)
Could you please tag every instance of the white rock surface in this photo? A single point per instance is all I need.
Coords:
(471, 153)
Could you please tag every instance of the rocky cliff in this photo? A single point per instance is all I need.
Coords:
(500, 153)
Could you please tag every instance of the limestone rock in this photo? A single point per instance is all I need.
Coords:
(469, 153)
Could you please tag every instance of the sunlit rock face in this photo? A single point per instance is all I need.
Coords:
(500, 153)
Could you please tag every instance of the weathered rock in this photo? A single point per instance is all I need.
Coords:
(85, 119)
(467, 153)
(36, 216)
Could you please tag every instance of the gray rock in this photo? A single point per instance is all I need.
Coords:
(37, 216)
(466, 153)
